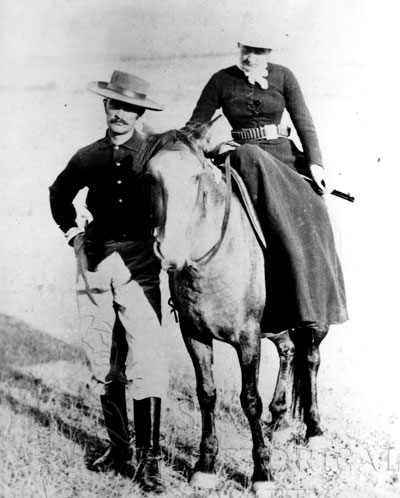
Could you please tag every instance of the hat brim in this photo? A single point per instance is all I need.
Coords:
(101, 88)
(255, 44)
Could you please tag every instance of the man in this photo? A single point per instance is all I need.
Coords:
(118, 276)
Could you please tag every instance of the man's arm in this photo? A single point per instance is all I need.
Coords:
(62, 193)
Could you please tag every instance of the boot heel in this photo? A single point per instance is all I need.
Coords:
(116, 422)
(147, 413)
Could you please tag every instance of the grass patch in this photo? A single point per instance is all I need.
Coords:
(24, 345)
(49, 424)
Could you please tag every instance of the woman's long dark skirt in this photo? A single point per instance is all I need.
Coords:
(303, 273)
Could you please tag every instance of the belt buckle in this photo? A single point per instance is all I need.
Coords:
(271, 131)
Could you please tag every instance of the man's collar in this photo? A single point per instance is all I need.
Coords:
(133, 143)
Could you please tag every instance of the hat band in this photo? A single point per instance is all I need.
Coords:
(125, 92)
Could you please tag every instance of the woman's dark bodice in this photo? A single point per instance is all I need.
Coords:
(249, 106)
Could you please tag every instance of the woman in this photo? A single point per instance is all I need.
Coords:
(254, 93)
(305, 283)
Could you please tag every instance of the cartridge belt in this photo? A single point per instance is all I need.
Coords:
(270, 132)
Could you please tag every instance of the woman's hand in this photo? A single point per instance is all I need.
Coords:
(219, 153)
(319, 176)
(223, 148)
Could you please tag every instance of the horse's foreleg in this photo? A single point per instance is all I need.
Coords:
(307, 361)
(202, 358)
(249, 357)
(284, 384)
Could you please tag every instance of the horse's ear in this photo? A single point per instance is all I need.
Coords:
(214, 120)
(202, 133)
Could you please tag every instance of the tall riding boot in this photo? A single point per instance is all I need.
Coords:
(147, 428)
(116, 421)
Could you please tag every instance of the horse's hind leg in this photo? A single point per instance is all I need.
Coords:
(249, 357)
(284, 384)
(307, 361)
(202, 358)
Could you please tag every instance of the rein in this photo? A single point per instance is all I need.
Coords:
(213, 251)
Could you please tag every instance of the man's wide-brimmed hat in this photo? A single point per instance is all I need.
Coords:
(125, 88)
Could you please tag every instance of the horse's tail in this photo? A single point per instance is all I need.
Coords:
(305, 368)
(300, 384)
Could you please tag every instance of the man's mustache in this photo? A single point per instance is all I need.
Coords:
(117, 120)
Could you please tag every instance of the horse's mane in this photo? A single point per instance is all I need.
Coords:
(185, 138)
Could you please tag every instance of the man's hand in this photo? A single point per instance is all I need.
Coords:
(319, 176)
(78, 242)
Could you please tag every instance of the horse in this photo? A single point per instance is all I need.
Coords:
(216, 267)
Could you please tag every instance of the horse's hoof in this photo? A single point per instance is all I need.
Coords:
(204, 480)
(264, 489)
(318, 443)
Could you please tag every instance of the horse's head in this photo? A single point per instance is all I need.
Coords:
(183, 188)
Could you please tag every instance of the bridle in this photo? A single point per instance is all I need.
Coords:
(228, 199)
(205, 258)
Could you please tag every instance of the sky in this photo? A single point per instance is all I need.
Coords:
(84, 28)
(331, 45)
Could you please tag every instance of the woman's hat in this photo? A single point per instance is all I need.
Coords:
(256, 40)
(125, 88)
(254, 34)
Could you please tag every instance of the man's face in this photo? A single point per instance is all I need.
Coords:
(121, 117)
(252, 58)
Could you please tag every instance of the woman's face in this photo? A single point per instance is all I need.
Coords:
(253, 58)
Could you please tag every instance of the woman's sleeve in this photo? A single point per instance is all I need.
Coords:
(207, 104)
(301, 118)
